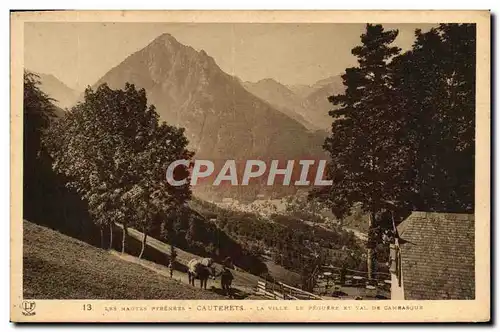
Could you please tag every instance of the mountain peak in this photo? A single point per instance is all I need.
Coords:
(166, 40)
(222, 119)
(166, 37)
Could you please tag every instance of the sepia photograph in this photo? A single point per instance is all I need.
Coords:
(250, 161)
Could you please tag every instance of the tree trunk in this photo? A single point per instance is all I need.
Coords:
(102, 238)
(370, 263)
(111, 236)
(143, 244)
(124, 237)
(369, 253)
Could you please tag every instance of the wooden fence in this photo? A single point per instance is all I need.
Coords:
(281, 291)
(364, 274)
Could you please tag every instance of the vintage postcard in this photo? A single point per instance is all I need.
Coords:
(250, 166)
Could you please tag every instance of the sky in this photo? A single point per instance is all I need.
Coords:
(79, 54)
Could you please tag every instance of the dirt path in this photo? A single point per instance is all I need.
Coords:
(157, 268)
(244, 282)
(212, 285)
(242, 287)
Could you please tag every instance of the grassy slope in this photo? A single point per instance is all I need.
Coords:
(60, 267)
(242, 280)
(282, 274)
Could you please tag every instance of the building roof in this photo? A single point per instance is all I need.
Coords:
(437, 256)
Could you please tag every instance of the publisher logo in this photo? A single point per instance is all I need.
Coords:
(28, 308)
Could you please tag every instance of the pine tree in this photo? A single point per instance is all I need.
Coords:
(435, 89)
(362, 140)
(403, 137)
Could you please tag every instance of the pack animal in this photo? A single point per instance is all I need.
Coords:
(201, 269)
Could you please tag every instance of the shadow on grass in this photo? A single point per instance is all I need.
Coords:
(236, 293)
(339, 294)
(133, 247)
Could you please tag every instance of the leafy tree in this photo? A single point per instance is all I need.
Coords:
(114, 151)
(38, 114)
(362, 139)
(46, 200)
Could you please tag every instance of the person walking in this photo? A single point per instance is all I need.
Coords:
(172, 259)
(171, 269)
(226, 281)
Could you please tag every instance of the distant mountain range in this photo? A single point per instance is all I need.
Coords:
(64, 96)
(301, 90)
(307, 104)
(316, 103)
(224, 117)
(280, 97)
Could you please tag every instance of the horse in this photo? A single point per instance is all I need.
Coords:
(202, 269)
